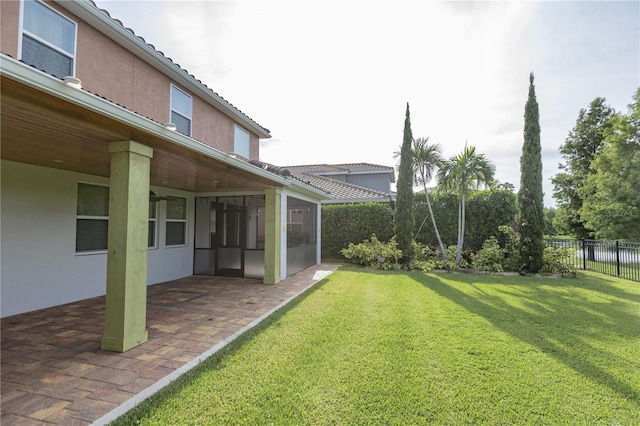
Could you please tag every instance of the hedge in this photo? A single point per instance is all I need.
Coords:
(353, 223)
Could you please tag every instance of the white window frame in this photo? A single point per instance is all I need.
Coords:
(169, 220)
(153, 220)
(88, 217)
(183, 114)
(241, 141)
(45, 42)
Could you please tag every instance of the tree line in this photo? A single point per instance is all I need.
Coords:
(597, 190)
(465, 173)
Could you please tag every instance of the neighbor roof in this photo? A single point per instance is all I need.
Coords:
(341, 192)
(346, 168)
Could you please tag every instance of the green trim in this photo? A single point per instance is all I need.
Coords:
(126, 299)
(273, 211)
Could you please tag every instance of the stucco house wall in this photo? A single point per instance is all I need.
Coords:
(377, 181)
(38, 210)
(108, 70)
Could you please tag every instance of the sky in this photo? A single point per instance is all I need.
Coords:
(331, 79)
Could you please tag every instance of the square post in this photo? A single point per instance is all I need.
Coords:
(126, 300)
(272, 236)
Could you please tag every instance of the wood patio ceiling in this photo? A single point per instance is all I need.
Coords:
(40, 129)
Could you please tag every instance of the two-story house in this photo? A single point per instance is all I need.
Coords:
(121, 170)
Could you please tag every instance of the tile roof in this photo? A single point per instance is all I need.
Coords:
(343, 168)
(341, 192)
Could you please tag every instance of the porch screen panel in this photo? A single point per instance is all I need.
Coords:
(301, 235)
(301, 222)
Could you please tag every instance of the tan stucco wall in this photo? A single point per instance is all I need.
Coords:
(9, 12)
(111, 71)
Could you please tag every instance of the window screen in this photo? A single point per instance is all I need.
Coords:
(92, 221)
(181, 105)
(241, 141)
(48, 39)
(176, 225)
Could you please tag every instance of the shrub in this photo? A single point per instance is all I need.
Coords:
(425, 258)
(451, 256)
(490, 257)
(374, 253)
(512, 260)
(557, 260)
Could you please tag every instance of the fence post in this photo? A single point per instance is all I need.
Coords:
(584, 255)
(617, 258)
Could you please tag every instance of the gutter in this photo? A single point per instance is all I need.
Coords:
(108, 26)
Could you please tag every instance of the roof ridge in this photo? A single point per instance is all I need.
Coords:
(340, 165)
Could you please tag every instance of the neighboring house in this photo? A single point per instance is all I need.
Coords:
(117, 173)
(349, 183)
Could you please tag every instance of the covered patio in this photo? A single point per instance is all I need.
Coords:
(54, 372)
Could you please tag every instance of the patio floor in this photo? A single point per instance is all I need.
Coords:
(54, 372)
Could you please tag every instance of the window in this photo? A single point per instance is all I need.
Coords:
(153, 220)
(92, 221)
(48, 39)
(176, 221)
(181, 110)
(241, 142)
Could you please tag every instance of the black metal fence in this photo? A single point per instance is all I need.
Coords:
(620, 259)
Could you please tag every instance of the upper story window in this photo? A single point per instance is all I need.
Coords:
(181, 110)
(241, 141)
(48, 39)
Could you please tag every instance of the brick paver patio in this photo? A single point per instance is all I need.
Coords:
(54, 372)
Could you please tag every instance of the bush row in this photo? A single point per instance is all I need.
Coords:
(352, 223)
(492, 257)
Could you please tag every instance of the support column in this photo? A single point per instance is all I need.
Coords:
(318, 233)
(126, 301)
(272, 236)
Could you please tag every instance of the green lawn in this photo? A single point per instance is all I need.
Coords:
(401, 348)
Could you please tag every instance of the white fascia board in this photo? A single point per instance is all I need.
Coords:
(389, 171)
(43, 82)
(119, 34)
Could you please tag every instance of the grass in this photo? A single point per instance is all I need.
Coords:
(396, 348)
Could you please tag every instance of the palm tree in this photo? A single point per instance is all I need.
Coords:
(426, 159)
(460, 175)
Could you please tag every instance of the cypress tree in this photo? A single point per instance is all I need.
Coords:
(530, 195)
(403, 218)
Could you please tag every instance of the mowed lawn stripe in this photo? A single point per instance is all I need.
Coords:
(369, 347)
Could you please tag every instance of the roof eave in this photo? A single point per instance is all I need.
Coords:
(309, 190)
(45, 83)
(119, 34)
